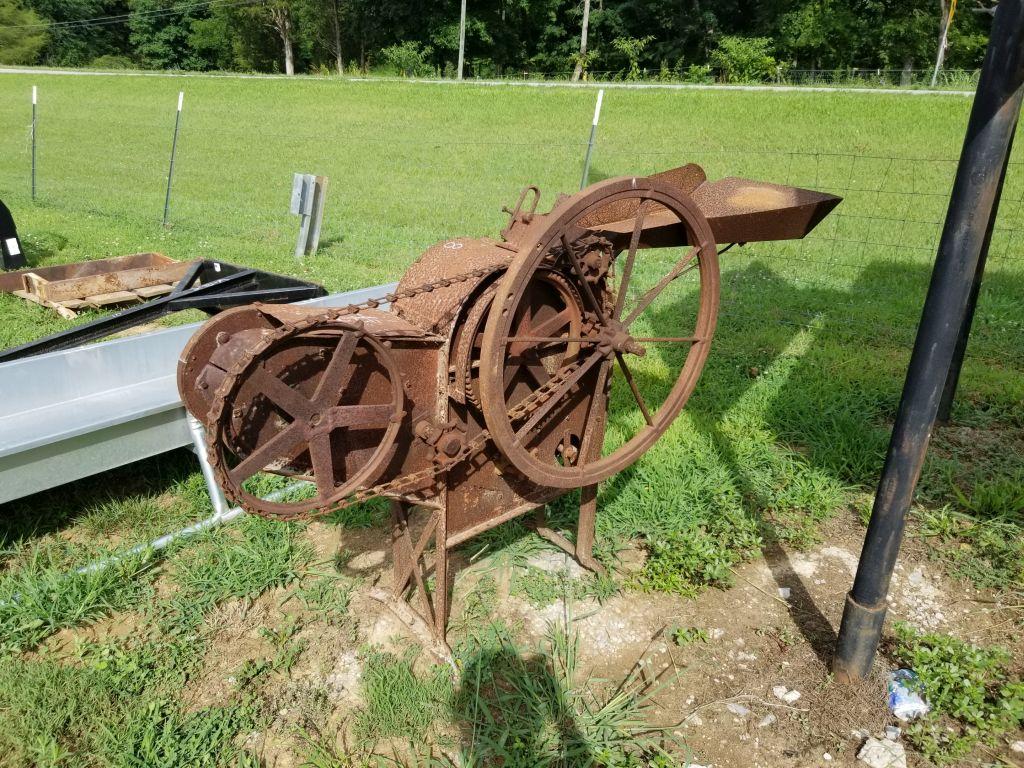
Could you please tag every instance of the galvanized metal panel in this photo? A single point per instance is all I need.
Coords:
(73, 413)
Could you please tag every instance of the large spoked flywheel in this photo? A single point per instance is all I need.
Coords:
(322, 404)
(649, 315)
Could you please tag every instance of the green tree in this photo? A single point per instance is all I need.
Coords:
(408, 58)
(160, 33)
(821, 34)
(73, 40)
(23, 34)
(632, 48)
(908, 32)
(744, 59)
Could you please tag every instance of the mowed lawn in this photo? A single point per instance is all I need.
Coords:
(788, 425)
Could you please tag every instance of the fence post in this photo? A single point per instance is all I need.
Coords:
(35, 98)
(590, 144)
(174, 150)
(973, 203)
(308, 196)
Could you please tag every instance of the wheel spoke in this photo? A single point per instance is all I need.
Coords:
(542, 331)
(293, 402)
(552, 324)
(360, 416)
(596, 411)
(536, 371)
(588, 292)
(533, 340)
(668, 339)
(677, 271)
(554, 398)
(627, 269)
(280, 446)
(635, 389)
(323, 463)
(338, 372)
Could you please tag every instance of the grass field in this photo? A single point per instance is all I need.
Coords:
(788, 425)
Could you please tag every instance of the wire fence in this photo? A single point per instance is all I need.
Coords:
(863, 272)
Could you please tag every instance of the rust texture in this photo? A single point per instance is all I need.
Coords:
(482, 388)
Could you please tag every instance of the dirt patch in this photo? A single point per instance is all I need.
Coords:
(119, 626)
(235, 640)
(752, 689)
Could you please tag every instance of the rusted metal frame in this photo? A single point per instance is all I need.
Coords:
(973, 203)
(268, 331)
(586, 522)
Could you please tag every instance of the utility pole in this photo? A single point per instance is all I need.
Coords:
(943, 42)
(581, 61)
(462, 38)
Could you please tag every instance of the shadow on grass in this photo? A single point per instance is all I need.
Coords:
(515, 711)
(103, 499)
(520, 708)
(817, 373)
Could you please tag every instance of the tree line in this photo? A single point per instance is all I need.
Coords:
(630, 39)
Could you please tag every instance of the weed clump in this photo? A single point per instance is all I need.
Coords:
(975, 696)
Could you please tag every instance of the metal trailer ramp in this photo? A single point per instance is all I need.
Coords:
(78, 412)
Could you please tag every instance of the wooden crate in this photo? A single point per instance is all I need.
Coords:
(69, 288)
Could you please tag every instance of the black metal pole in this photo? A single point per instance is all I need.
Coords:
(955, 368)
(973, 202)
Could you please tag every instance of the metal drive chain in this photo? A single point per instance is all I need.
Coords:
(233, 379)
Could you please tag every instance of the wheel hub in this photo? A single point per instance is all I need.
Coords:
(614, 338)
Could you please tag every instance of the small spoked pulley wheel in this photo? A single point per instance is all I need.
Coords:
(643, 259)
(323, 405)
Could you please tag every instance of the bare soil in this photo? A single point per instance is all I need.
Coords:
(721, 695)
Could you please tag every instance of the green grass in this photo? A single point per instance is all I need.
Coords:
(116, 702)
(41, 598)
(516, 707)
(399, 703)
(789, 422)
(242, 562)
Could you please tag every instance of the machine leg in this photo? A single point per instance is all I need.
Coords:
(400, 547)
(442, 589)
(409, 565)
(583, 549)
(585, 530)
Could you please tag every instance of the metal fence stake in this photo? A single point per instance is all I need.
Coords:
(590, 143)
(35, 98)
(174, 150)
(974, 201)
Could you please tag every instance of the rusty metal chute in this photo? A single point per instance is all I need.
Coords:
(497, 376)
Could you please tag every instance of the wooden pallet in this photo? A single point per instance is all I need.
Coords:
(68, 289)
